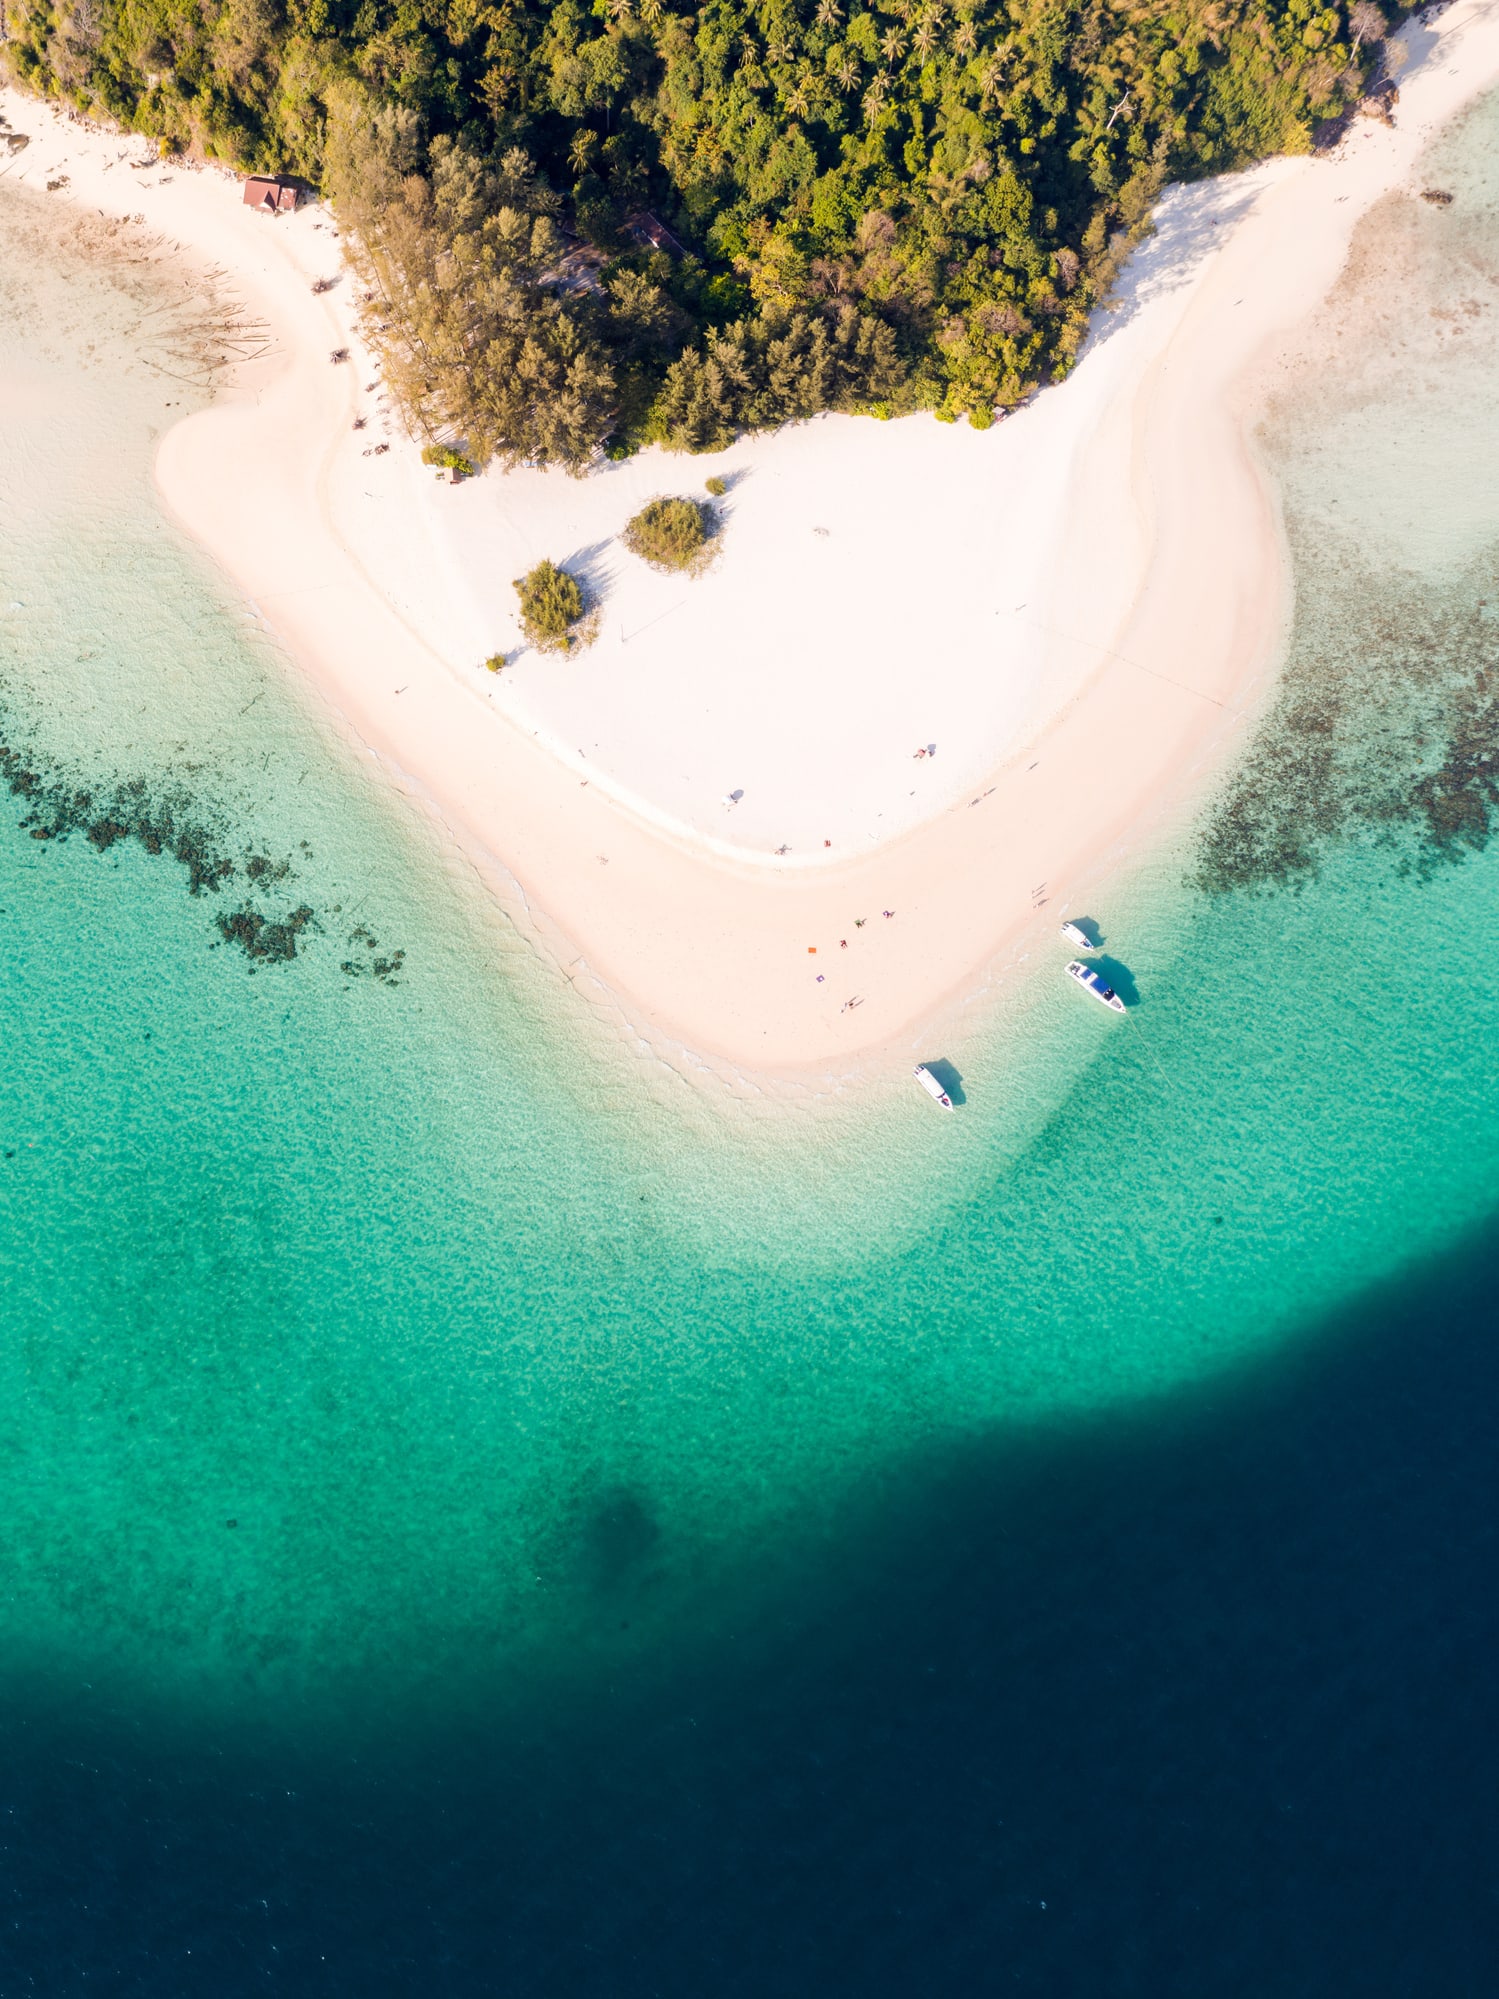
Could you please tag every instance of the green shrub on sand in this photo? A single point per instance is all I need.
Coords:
(550, 605)
(448, 460)
(718, 487)
(668, 534)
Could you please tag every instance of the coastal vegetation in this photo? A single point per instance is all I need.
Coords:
(668, 534)
(551, 605)
(590, 227)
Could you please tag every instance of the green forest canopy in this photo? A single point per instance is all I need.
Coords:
(872, 204)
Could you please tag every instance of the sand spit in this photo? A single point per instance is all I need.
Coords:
(1076, 608)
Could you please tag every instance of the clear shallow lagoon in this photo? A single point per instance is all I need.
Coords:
(478, 1516)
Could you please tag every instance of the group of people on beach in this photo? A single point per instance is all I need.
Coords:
(858, 998)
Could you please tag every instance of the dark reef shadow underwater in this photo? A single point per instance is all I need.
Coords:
(1212, 1713)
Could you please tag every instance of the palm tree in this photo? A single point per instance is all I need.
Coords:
(925, 38)
(620, 10)
(874, 99)
(580, 152)
(829, 13)
(993, 76)
(650, 11)
(965, 38)
(892, 45)
(947, 190)
(796, 99)
(847, 72)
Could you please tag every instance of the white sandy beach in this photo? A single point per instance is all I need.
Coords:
(1075, 607)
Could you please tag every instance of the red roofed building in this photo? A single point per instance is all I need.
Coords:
(643, 228)
(271, 194)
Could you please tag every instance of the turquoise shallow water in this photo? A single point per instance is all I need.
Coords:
(394, 1354)
(493, 1338)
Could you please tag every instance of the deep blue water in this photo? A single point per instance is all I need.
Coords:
(1215, 1686)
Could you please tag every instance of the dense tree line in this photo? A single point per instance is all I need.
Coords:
(875, 203)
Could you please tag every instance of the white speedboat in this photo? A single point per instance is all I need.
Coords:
(1090, 982)
(932, 1087)
(1075, 934)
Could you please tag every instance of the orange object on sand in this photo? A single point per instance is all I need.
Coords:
(811, 950)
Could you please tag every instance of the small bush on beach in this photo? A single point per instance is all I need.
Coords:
(668, 534)
(550, 605)
(717, 488)
(448, 460)
(497, 662)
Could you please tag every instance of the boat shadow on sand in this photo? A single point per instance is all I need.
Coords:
(1120, 977)
(950, 1080)
(1086, 932)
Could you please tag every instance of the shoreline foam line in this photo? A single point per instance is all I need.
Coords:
(1164, 567)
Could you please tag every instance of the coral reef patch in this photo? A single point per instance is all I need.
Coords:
(168, 820)
(1385, 728)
